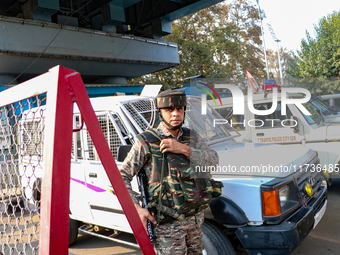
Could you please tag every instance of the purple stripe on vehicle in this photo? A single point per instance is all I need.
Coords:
(90, 186)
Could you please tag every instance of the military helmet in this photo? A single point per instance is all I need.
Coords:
(171, 98)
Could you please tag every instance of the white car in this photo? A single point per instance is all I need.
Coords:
(294, 128)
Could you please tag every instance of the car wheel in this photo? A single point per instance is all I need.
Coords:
(73, 231)
(215, 241)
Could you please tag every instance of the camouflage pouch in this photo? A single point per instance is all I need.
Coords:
(216, 188)
(197, 187)
(153, 192)
(175, 193)
(190, 191)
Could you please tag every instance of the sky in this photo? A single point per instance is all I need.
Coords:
(291, 18)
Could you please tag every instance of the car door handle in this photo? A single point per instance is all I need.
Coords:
(93, 175)
(260, 134)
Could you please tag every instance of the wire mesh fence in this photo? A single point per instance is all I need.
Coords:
(21, 154)
(35, 206)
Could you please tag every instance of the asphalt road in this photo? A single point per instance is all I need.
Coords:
(323, 240)
(90, 245)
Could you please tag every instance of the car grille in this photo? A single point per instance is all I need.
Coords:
(309, 174)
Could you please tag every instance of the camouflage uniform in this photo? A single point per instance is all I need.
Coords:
(175, 237)
(180, 237)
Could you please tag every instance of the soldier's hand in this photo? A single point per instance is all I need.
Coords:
(145, 215)
(171, 145)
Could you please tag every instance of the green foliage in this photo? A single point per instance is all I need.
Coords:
(319, 57)
(274, 67)
(318, 86)
(212, 41)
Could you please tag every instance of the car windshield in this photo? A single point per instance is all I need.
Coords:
(314, 117)
(323, 107)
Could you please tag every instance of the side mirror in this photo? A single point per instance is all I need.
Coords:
(123, 151)
(295, 128)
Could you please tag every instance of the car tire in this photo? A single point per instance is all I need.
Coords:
(73, 231)
(215, 241)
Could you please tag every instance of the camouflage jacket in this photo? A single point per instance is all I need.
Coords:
(140, 157)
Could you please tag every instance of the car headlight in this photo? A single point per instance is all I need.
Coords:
(284, 195)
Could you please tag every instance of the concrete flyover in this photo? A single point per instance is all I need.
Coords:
(99, 39)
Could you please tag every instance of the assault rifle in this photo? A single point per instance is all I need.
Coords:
(142, 183)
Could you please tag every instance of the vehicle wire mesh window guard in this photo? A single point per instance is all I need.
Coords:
(110, 134)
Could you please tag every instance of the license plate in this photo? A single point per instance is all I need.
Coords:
(319, 214)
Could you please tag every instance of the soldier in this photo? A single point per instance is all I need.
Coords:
(168, 155)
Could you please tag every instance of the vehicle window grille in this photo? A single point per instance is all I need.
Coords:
(140, 111)
(114, 139)
(131, 125)
(123, 129)
(78, 155)
(110, 134)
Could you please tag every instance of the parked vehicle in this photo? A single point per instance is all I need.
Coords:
(271, 197)
(295, 129)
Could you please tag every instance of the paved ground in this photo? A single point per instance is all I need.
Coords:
(323, 240)
(90, 245)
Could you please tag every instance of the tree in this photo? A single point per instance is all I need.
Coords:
(273, 64)
(213, 41)
(317, 63)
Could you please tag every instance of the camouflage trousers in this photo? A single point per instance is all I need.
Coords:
(180, 237)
